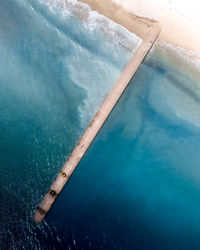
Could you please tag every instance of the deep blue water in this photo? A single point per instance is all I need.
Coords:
(138, 185)
(54, 74)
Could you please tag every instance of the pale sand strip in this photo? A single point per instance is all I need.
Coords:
(136, 15)
(97, 123)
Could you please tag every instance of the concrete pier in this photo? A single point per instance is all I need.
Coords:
(96, 123)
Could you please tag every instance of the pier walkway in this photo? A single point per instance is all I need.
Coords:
(97, 123)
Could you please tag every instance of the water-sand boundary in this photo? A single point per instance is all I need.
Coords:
(179, 41)
(137, 15)
(97, 122)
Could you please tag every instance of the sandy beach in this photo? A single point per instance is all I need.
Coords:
(176, 29)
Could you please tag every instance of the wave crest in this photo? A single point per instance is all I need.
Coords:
(95, 22)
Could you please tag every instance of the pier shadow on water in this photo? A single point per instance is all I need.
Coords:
(138, 186)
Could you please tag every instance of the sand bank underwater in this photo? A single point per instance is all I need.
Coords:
(45, 107)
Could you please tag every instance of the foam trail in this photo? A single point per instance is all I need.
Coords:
(187, 56)
(54, 74)
(95, 22)
(108, 49)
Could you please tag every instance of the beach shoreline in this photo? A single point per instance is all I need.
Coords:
(179, 41)
(176, 29)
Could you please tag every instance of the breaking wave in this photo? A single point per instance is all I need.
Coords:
(94, 21)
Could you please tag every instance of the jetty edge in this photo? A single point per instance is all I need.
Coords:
(97, 122)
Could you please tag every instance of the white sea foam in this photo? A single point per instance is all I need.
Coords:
(187, 56)
(95, 21)
(106, 63)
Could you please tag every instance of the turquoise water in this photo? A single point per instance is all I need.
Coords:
(138, 185)
(54, 74)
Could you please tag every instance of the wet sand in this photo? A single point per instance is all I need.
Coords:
(177, 29)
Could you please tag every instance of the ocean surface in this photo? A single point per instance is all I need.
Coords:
(138, 185)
